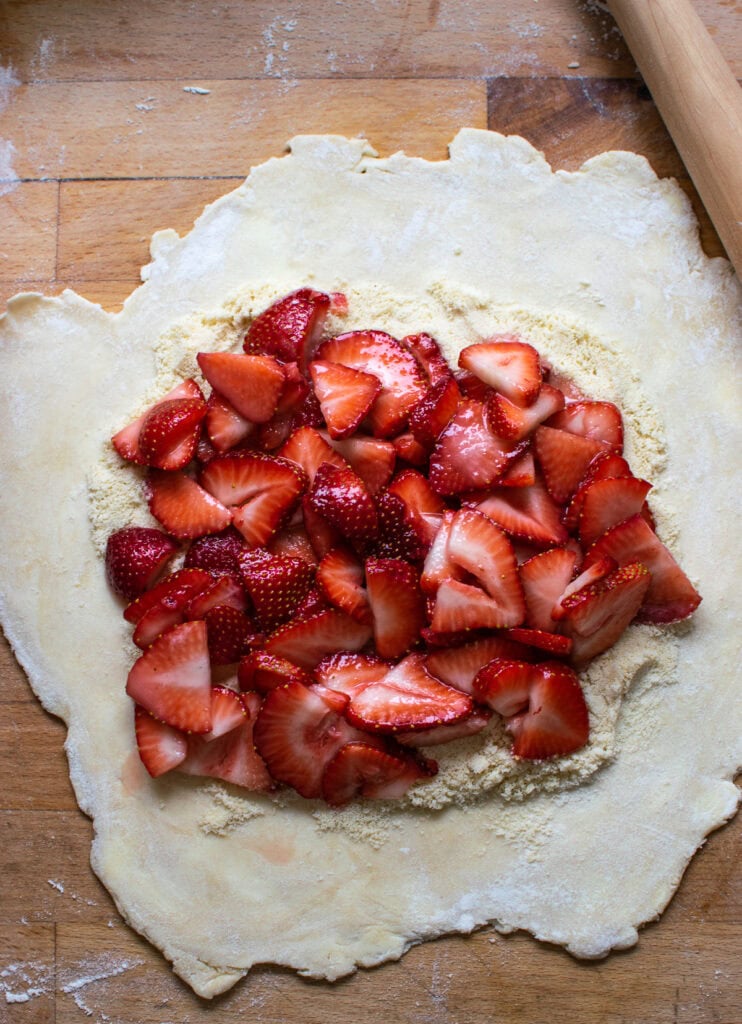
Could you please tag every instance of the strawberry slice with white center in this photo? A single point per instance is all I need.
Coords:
(136, 557)
(307, 641)
(229, 632)
(224, 425)
(603, 567)
(227, 712)
(217, 554)
(362, 770)
(542, 640)
(482, 549)
(431, 415)
(513, 422)
(161, 748)
(420, 500)
(251, 384)
(407, 698)
(543, 706)
(478, 720)
(395, 368)
(309, 449)
(297, 733)
(262, 490)
(126, 441)
(371, 458)
(671, 595)
(545, 578)
(222, 591)
(340, 578)
(427, 352)
(345, 395)
(521, 472)
(263, 672)
(597, 615)
(509, 366)
(564, 459)
(184, 508)
(605, 466)
(341, 498)
(608, 502)
(291, 328)
(600, 421)
(172, 679)
(231, 756)
(460, 607)
(170, 433)
(458, 666)
(276, 584)
(439, 565)
(397, 608)
(166, 605)
(528, 513)
(350, 673)
(467, 455)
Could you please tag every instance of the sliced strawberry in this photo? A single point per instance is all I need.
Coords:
(671, 595)
(135, 558)
(362, 770)
(341, 498)
(438, 565)
(478, 720)
(467, 455)
(263, 672)
(509, 366)
(458, 666)
(295, 390)
(542, 640)
(397, 608)
(231, 757)
(350, 673)
(600, 421)
(252, 384)
(161, 747)
(217, 554)
(175, 591)
(345, 395)
(427, 352)
(229, 632)
(170, 433)
(293, 542)
(564, 459)
(297, 733)
(407, 698)
(266, 489)
(608, 502)
(225, 590)
(227, 712)
(482, 549)
(172, 679)
(340, 578)
(521, 472)
(372, 459)
(338, 304)
(224, 425)
(605, 466)
(420, 500)
(183, 507)
(598, 614)
(543, 706)
(514, 422)
(126, 441)
(433, 412)
(396, 369)
(312, 604)
(275, 432)
(397, 537)
(409, 449)
(472, 387)
(545, 578)
(603, 567)
(276, 585)
(308, 449)
(461, 607)
(170, 609)
(528, 513)
(308, 641)
(291, 328)
(322, 536)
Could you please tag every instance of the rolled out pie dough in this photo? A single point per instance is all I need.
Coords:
(219, 882)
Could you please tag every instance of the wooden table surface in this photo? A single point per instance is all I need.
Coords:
(100, 145)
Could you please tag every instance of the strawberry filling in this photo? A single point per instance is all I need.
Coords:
(385, 552)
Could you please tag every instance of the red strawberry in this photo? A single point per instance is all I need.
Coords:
(297, 733)
(458, 666)
(293, 542)
(603, 567)
(372, 459)
(295, 390)
(509, 366)
(229, 633)
(543, 706)
(338, 304)
(397, 537)
(171, 607)
(340, 578)
(605, 466)
(362, 770)
(525, 512)
(217, 554)
(224, 425)
(467, 455)
(340, 497)
(252, 384)
(231, 756)
(263, 672)
(432, 413)
(482, 549)
(184, 509)
(545, 578)
(350, 673)
(176, 590)
(598, 614)
(420, 500)
(461, 607)
(671, 595)
(276, 585)
(472, 387)
(291, 328)
(227, 712)
(225, 590)
(170, 433)
(266, 488)
(308, 641)
(397, 607)
(427, 352)
(608, 502)
(438, 564)
(313, 603)
(126, 441)
(514, 422)
(478, 720)
(407, 698)
(322, 536)
(521, 472)
(345, 395)
(172, 679)
(542, 640)
(409, 449)
(308, 449)
(600, 421)
(135, 557)
(161, 747)
(564, 459)
(380, 355)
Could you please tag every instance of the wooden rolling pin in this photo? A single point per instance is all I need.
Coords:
(700, 102)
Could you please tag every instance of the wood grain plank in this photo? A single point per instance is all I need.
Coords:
(29, 736)
(28, 215)
(63, 130)
(14, 686)
(27, 981)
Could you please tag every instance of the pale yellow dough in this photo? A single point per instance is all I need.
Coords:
(489, 240)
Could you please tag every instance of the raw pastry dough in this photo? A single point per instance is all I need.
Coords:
(608, 247)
